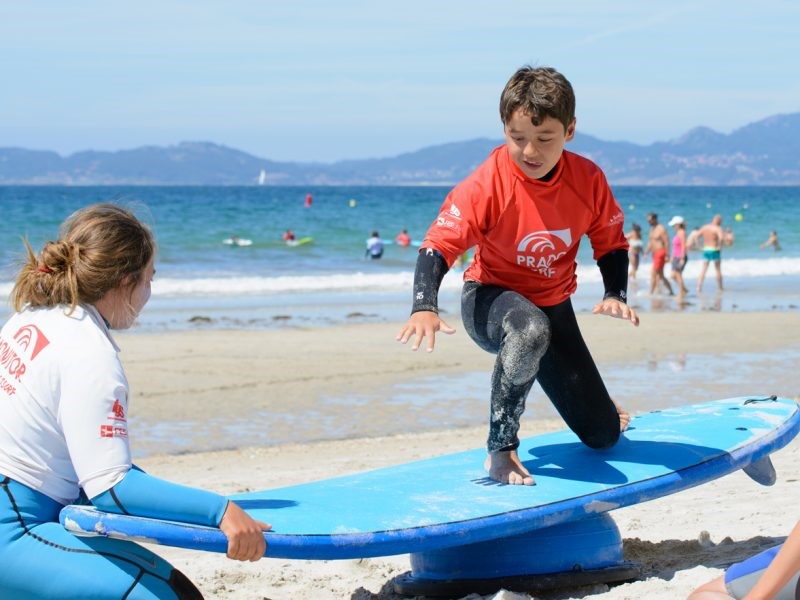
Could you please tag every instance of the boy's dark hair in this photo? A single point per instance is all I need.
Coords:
(540, 92)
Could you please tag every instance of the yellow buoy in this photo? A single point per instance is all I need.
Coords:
(738, 217)
(352, 203)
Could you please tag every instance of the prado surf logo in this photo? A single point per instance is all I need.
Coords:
(540, 249)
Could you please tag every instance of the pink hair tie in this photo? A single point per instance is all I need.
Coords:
(45, 269)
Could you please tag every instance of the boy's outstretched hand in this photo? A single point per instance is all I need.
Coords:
(421, 324)
(614, 308)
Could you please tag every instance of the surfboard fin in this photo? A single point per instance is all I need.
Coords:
(762, 471)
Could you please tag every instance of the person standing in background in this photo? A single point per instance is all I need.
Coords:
(636, 247)
(657, 244)
(680, 253)
(713, 238)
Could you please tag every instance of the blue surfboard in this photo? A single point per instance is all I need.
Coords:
(429, 506)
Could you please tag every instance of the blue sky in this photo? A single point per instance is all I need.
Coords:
(325, 81)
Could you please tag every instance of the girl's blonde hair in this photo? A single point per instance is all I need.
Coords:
(99, 248)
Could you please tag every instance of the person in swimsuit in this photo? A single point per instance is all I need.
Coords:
(772, 574)
(712, 238)
(403, 239)
(657, 244)
(63, 424)
(772, 240)
(680, 253)
(525, 210)
(636, 245)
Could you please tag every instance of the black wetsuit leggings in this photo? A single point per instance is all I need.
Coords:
(537, 342)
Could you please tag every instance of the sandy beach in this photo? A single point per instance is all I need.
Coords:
(199, 376)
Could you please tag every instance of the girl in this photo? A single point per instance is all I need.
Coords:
(63, 423)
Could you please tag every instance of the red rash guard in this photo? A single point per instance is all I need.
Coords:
(527, 231)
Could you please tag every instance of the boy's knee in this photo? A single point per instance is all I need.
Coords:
(529, 331)
(601, 438)
(523, 347)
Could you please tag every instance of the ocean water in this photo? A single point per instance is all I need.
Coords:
(201, 282)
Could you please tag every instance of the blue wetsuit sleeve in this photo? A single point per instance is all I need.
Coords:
(428, 275)
(143, 495)
(614, 269)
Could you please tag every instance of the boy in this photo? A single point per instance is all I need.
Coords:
(525, 209)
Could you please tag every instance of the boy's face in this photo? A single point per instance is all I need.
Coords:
(536, 149)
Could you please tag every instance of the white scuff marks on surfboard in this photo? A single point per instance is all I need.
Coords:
(768, 418)
(342, 530)
(412, 522)
(430, 507)
(75, 527)
(141, 539)
(598, 506)
(657, 436)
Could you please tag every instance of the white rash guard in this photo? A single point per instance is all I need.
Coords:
(63, 403)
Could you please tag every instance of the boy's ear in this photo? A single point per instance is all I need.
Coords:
(570, 131)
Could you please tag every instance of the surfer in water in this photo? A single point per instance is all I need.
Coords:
(525, 210)
(64, 430)
(374, 246)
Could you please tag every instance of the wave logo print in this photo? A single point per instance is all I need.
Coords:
(28, 335)
(539, 250)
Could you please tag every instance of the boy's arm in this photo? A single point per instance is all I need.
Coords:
(614, 269)
(428, 275)
(424, 320)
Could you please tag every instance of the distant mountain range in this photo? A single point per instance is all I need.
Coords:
(763, 153)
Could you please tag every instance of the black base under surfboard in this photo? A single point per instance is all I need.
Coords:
(408, 585)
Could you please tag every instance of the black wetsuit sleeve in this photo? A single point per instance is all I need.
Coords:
(614, 269)
(428, 275)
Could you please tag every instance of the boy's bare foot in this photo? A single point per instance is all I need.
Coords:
(506, 467)
(624, 417)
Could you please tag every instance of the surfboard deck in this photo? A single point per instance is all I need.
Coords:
(448, 501)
